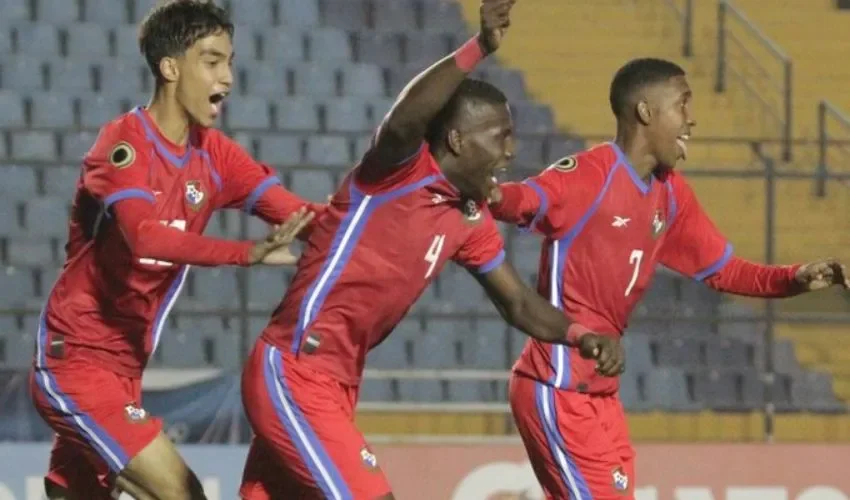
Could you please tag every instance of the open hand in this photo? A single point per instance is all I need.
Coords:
(608, 352)
(822, 274)
(274, 250)
(495, 20)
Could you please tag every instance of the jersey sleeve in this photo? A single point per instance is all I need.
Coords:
(117, 166)
(374, 174)
(694, 246)
(484, 250)
(244, 180)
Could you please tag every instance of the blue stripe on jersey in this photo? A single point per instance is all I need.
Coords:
(342, 247)
(166, 305)
(109, 450)
(575, 484)
(258, 192)
(672, 207)
(321, 467)
(559, 252)
(125, 194)
(622, 159)
(491, 264)
(162, 149)
(708, 271)
(544, 204)
(213, 171)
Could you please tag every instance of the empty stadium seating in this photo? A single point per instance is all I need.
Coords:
(314, 78)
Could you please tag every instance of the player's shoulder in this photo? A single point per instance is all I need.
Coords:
(120, 140)
(209, 138)
(589, 166)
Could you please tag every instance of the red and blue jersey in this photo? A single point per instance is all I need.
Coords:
(606, 229)
(386, 234)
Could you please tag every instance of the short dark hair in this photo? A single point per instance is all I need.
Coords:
(173, 26)
(635, 75)
(469, 90)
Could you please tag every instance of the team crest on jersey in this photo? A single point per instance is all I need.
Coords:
(122, 155)
(658, 224)
(566, 164)
(621, 480)
(135, 414)
(369, 459)
(194, 195)
(471, 211)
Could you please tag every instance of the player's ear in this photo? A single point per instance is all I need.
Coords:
(454, 142)
(168, 69)
(643, 113)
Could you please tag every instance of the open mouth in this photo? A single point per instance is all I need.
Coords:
(681, 141)
(216, 101)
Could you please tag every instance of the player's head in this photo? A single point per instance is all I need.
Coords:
(188, 47)
(476, 130)
(654, 95)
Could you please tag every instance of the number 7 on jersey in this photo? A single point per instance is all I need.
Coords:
(433, 253)
(634, 259)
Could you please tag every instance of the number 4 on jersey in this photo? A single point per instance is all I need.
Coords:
(178, 224)
(433, 253)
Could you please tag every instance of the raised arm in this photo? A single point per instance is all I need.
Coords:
(401, 133)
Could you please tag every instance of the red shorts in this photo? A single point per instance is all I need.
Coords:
(578, 444)
(98, 423)
(306, 443)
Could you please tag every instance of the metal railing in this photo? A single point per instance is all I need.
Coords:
(772, 90)
(683, 12)
(827, 110)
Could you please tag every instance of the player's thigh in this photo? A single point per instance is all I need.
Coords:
(303, 435)
(160, 471)
(570, 451)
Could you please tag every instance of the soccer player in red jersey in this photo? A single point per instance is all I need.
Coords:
(415, 201)
(147, 189)
(610, 215)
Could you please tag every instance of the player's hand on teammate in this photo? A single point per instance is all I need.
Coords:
(274, 250)
(822, 274)
(608, 352)
(495, 20)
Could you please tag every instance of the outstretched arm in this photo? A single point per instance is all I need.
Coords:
(742, 277)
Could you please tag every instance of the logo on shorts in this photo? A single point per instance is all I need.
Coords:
(369, 458)
(621, 480)
(135, 414)
(194, 195)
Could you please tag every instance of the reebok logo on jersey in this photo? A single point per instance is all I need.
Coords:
(194, 195)
(620, 221)
(621, 480)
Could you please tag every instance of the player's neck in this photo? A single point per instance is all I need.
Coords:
(637, 153)
(168, 116)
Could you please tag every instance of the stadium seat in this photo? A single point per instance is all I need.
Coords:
(812, 391)
(485, 347)
(18, 350)
(559, 146)
(97, 110)
(215, 287)
(397, 15)
(781, 393)
(667, 389)
(509, 81)
(75, 145)
(436, 350)
(471, 391)
(729, 353)
(383, 49)
(532, 118)
(182, 349)
(719, 390)
(378, 109)
(376, 390)
(12, 113)
(264, 80)
(346, 115)
(529, 153)
(9, 224)
(87, 42)
(328, 151)
(638, 353)
(106, 12)
(245, 41)
(328, 44)
(57, 11)
(248, 113)
(34, 146)
(363, 80)
(19, 183)
(280, 149)
(784, 358)
(260, 12)
(16, 286)
(299, 13)
(460, 289)
(61, 182)
(126, 41)
(421, 391)
(312, 79)
(141, 8)
(678, 351)
(15, 12)
(5, 40)
(71, 76)
(38, 40)
(424, 49)
(51, 110)
(314, 184)
(122, 78)
(297, 114)
(266, 287)
(224, 224)
(22, 251)
(47, 217)
(23, 74)
(349, 15)
(631, 390)
(443, 17)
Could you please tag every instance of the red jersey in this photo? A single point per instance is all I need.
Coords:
(371, 254)
(606, 230)
(107, 304)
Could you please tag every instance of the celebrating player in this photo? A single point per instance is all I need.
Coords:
(148, 187)
(609, 215)
(414, 202)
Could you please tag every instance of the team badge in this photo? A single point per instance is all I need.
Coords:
(135, 414)
(658, 224)
(122, 155)
(621, 480)
(369, 459)
(471, 211)
(566, 164)
(194, 195)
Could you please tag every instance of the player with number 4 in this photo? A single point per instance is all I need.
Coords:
(415, 201)
(609, 215)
